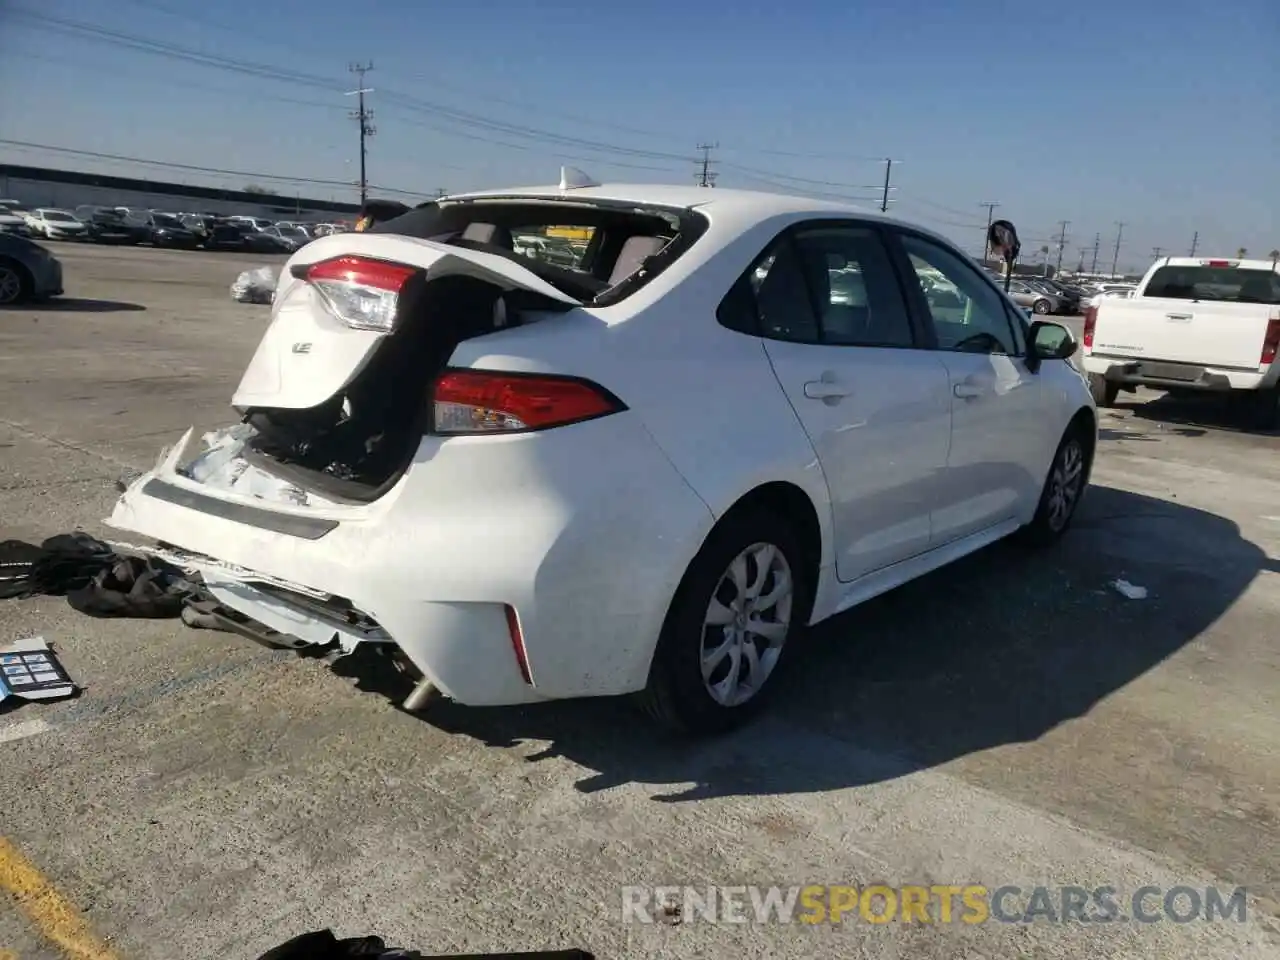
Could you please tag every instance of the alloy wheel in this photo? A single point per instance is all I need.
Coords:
(746, 624)
(10, 285)
(1065, 483)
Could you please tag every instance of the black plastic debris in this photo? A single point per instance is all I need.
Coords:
(62, 563)
(139, 587)
(96, 579)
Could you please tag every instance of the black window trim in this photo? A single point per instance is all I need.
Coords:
(917, 302)
(923, 336)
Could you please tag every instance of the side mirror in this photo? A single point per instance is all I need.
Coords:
(1050, 341)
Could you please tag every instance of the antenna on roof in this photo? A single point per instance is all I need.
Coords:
(571, 178)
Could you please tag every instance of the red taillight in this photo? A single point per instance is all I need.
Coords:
(1271, 342)
(517, 644)
(360, 292)
(475, 401)
(1218, 263)
(1090, 321)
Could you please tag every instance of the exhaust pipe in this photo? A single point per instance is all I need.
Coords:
(422, 695)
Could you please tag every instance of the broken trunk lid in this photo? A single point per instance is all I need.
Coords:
(308, 354)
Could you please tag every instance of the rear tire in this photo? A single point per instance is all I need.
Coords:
(711, 672)
(1042, 307)
(1104, 393)
(16, 284)
(1063, 490)
(1262, 409)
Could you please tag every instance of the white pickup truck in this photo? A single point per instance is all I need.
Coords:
(1192, 325)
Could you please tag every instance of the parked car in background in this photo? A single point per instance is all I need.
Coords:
(1069, 302)
(1193, 324)
(107, 225)
(1033, 298)
(199, 224)
(290, 237)
(236, 234)
(166, 230)
(258, 223)
(54, 224)
(27, 271)
(646, 475)
(13, 223)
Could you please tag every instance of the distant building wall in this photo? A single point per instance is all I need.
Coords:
(45, 187)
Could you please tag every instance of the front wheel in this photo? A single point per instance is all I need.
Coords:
(1042, 307)
(743, 600)
(16, 286)
(1063, 490)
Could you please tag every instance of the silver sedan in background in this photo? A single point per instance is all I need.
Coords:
(27, 271)
(1036, 300)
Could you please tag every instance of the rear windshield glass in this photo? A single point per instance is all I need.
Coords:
(598, 252)
(1215, 283)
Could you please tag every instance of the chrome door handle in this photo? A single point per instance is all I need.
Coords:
(1177, 316)
(825, 390)
(967, 391)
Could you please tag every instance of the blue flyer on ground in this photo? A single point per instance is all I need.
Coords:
(30, 670)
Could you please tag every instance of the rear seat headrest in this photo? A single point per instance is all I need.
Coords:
(635, 251)
(489, 233)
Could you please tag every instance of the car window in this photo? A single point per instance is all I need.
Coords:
(853, 287)
(781, 297)
(968, 315)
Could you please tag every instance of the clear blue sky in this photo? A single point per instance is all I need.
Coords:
(1160, 113)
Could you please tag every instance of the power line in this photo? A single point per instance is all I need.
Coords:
(364, 117)
(390, 99)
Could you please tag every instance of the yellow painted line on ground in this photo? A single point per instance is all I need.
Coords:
(52, 914)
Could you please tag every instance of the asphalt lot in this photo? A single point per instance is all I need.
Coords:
(1011, 720)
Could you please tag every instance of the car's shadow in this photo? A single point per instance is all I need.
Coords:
(995, 649)
(85, 305)
(1192, 411)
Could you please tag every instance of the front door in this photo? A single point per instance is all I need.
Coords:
(997, 461)
(876, 408)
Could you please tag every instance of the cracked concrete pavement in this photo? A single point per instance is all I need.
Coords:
(1011, 720)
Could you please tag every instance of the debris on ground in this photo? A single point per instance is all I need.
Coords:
(94, 576)
(255, 286)
(1130, 590)
(30, 670)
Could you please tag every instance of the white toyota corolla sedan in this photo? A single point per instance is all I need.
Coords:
(736, 415)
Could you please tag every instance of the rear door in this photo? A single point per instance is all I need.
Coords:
(874, 404)
(1213, 314)
(1003, 422)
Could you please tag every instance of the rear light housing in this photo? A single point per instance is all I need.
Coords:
(1271, 342)
(361, 292)
(517, 644)
(494, 402)
(1090, 322)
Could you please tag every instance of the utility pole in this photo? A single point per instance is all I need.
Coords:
(1080, 268)
(1157, 251)
(440, 192)
(884, 197)
(1115, 257)
(705, 176)
(1097, 241)
(365, 119)
(1062, 242)
(1195, 242)
(986, 233)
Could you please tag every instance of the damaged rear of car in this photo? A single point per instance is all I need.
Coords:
(408, 466)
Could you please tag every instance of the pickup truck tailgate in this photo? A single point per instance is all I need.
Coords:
(1183, 331)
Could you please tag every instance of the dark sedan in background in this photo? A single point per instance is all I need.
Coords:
(27, 271)
(110, 226)
(166, 230)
